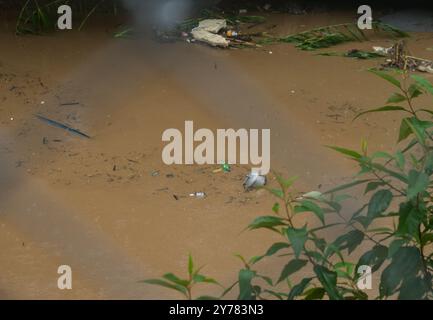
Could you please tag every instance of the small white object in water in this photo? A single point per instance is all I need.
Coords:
(198, 194)
(254, 180)
(381, 50)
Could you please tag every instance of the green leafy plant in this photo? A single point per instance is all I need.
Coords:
(391, 232)
(39, 16)
(184, 286)
(325, 37)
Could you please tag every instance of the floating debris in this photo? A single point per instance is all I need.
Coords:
(70, 104)
(254, 180)
(207, 32)
(399, 57)
(62, 126)
(328, 36)
(355, 53)
(199, 195)
(226, 167)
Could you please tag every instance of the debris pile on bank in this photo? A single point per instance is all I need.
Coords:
(399, 57)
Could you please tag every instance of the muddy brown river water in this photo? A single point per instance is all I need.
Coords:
(97, 205)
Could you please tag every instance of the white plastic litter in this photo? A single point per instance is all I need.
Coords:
(212, 25)
(210, 38)
(207, 30)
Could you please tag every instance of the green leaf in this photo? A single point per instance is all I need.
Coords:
(166, 284)
(410, 218)
(400, 160)
(381, 154)
(276, 207)
(347, 152)
(404, 131)
(199, 278)
(424, 83)
(208, 298)
(267, 279)
(379, 202)
(414, 288)
(309, 206)
(405, 263)
(371, 186)
(414, 91)
(395, 246)
(173, 278)
(290, 268)
(245, 286)
(396, 98)
(297, 238)
(374, 258)
(274, 248)
(392, 173)
(428, 163)
(315, 294)
(416, 128)
(349, 241)
(299, 288)
(328, 279)
(277, 192)
(190, 265)
(346, 186)
(285, 183)
(266, 222)
(386, 77)
(277, 246)
(418, 182)
(381, 109)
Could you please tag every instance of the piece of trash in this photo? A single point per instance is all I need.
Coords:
(382, 50)
(226, 167)
(355, 53)
(270, 52)
(198, 195)
(42, 102)
(207, 30)
(401, 59)
(212, 39)
(212, 25)
(243, 11)
(232, 33)
(62, 126)
(154, 173)
(254, 180)
(70, 104)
